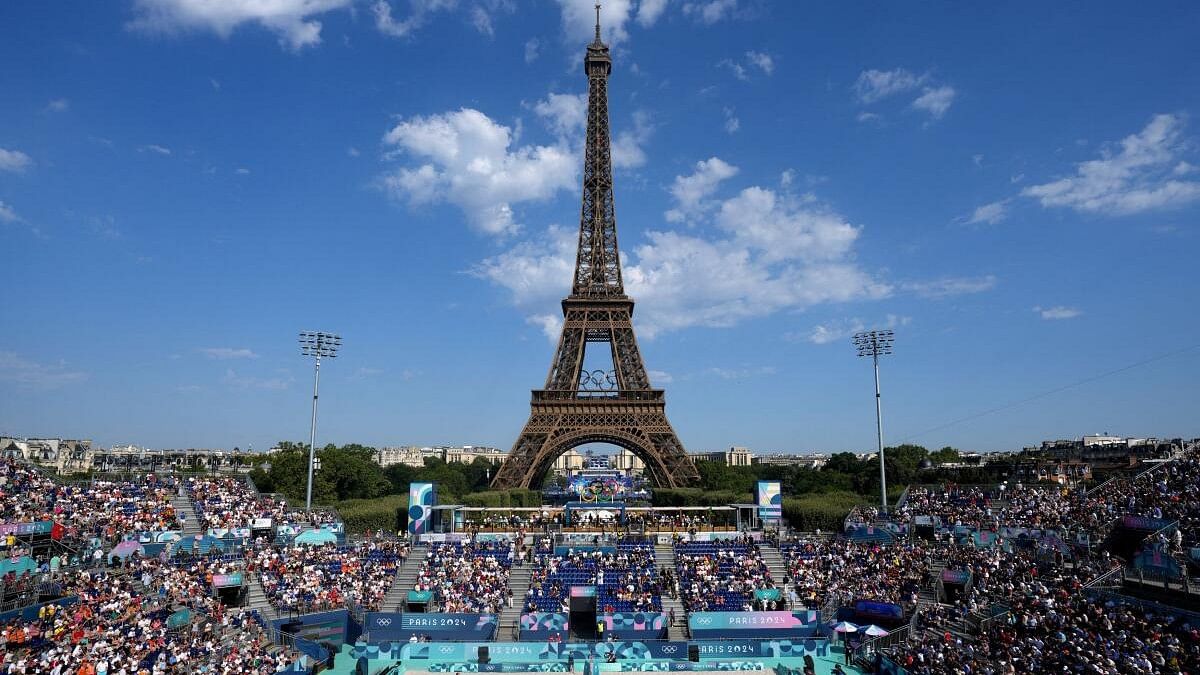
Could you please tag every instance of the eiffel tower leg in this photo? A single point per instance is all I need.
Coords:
(518, 468)
(645, 433)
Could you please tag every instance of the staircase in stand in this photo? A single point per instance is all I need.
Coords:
(191, 522)
(256, 598)
(664, 556)
(775, 564)
(930, 590)
(406, 577)
(510, 617)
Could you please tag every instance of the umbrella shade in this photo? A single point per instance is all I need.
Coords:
(200, 544)
(316, 537)
(845, 627)
(875, 631)
(125, 549)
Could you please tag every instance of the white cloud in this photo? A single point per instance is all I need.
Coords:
(992, 213)
(469, 161)
(1137, 175)
(782, 229)
(482, 21)
(1057, 313)
(840, 329)
(242, 171)
(741, 373)
(835, 330)
(482, 12)
(535, 271)
(579, 21)
(387, 25)
(950, 286)
(26, 373)
(8, 214)
(58, 105)
(551, 325)
(935, 100)
(710, 11)
(14, 160)
(659, 377)
(875, 85)
(250, 382)
(738, 70)
(352, 151)
(627, 152)
(691, 193)
(868, 117)
(649, 11)
(773, 254)
(292, 20)
(732, 123)
(763, 60)
(157, 149)
(532, 47)
(224, 353)
(565, 114)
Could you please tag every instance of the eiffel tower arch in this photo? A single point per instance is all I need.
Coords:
(578, 406)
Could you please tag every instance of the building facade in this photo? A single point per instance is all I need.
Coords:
(734, 456)
(64, 456)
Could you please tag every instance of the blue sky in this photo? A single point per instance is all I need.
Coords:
(184, 186)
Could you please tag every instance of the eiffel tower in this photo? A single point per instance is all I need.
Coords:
(618, 406)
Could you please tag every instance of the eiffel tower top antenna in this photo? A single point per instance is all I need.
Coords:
(597, 22)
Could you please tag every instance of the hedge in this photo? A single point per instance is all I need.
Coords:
(504, 498)
(388, 513)
(697, 497)
(825, 511)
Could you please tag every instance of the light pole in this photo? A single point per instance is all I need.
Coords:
(318, 344)
(876, 343)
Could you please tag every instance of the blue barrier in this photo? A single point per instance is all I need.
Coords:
(394, 626)
(800, 624)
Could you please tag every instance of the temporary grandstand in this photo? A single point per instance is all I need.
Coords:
(172, 574)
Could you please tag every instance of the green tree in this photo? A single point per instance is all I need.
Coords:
(946, 455)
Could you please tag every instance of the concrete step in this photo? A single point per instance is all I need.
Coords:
(191, 522)
(510, 617)
(403, 582)
(256, 598)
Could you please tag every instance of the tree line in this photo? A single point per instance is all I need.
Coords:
(353, 472)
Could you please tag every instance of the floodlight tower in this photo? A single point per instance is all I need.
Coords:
(317, 344)
(876, 343)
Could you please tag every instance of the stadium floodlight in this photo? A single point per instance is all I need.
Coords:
(876, 343)
(316, 344)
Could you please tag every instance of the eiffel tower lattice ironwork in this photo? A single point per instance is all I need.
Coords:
(618, 406)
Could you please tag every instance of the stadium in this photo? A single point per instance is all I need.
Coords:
(205, 574)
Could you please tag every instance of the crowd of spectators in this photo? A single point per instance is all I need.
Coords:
(841, 570)
(308, 578)
(103, 509)
(547, 519)
(721, 576)
(1056, 628)
(468, 577)
(1035, 614)
(117, 628)
(226, 503)
(626, 580)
